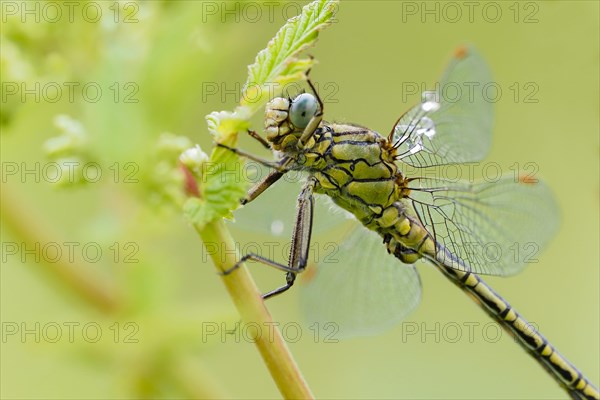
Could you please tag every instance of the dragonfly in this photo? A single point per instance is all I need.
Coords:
(445, 222)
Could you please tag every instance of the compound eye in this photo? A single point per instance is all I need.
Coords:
(303, 108)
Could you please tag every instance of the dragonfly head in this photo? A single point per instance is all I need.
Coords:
(285, 119)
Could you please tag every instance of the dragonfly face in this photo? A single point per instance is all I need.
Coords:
(278, 127)
(286, 120)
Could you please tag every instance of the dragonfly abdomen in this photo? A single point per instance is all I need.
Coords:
(538, 346)
(403, 236)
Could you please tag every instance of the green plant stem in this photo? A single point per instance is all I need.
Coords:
(248, 300)
(79, 278)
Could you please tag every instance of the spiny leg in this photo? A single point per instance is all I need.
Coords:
(301, 235)
(300, 243)
(261, 186)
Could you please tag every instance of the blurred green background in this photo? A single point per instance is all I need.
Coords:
(161, 67)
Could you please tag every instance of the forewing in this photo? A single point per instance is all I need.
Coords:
(489, 227)
(453, 123)
(360, 289)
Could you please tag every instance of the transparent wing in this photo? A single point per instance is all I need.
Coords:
(272, 213)
(453, 123)
(488, 227)
(359, 289)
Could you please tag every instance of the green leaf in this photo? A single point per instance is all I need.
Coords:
(223, 124)
(278, 62)
(222, 186)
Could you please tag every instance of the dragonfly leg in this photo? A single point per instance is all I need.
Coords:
(242, 153)
(272, 177)
(290, 277)
(260, 259)
(300, 242)
(314, 121)
(261, 140)
(261, 186)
